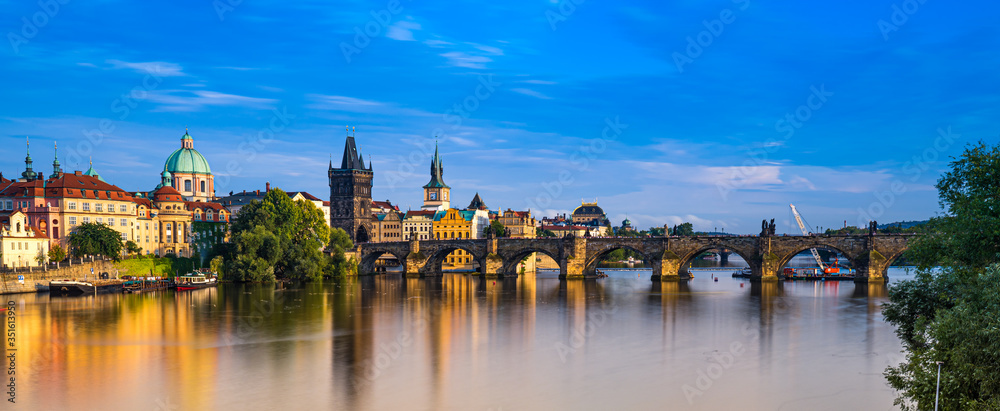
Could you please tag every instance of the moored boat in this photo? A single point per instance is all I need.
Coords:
(195, 280)
(76, 287)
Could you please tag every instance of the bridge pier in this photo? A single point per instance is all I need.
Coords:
(871, 268)
(668, 268)
(769, 268)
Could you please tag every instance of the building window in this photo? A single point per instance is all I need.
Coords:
(124, 222)
(72, 221)
(111, 222)
(86, 220)
(98, 208)
(71, 205)
(124, 236)
(123, 208)
(203, 186)
(100, 220)
(187, 185)
(86, 206)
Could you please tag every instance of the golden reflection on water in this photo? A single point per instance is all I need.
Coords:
(437, 343)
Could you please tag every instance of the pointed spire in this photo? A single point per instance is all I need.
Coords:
(56, 169)
(28, 174)
(369, 162)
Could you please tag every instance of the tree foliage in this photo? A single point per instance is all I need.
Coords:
(686, 229)
(951, 311)
(96, 239)
(56, 253)
(278, 238)
(496, 227)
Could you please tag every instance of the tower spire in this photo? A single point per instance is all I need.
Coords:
(56, 169)
(28, 173)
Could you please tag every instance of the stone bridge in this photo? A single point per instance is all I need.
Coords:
(578, 257)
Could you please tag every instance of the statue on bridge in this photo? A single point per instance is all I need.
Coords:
(766, 229)
(873, 227)
(771, 230)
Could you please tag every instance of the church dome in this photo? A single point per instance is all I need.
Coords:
(186, 159)
(588, 209)
(167, 193)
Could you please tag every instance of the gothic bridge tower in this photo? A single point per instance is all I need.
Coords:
(351, 194)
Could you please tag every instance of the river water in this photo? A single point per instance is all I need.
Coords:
(463, 343)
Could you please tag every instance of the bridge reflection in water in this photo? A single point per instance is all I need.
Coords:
(461, 342)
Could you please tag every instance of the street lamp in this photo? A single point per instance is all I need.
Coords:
(937, 393)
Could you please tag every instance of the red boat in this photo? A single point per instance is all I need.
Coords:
(195, 281)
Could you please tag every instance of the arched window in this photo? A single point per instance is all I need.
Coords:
(203, 186)
(187, 185)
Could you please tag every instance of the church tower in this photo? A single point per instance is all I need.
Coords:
(436, 193)
(351, 194)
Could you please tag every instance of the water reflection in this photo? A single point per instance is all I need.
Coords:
(460, 342)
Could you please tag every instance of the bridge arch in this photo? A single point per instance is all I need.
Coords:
(511, 260)
(436, 259)
(787, 257)
(716, 245)
(370, 256)
(596, 256)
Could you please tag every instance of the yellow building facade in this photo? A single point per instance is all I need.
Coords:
(454, 224)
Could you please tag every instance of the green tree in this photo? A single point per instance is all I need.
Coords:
(952, 313)
(278, 238)
(132, 248)
(56, 253)
(541, 232)
(496, 227)
(686, 229)
(41, 258)
(96, 239)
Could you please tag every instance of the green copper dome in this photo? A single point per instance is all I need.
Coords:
(186, 159)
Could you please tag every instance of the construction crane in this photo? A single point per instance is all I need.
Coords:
(807, 231)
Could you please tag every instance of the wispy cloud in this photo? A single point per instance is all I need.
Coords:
(461, 59)
(160, 68)
(530, 92)
(195, 100)
(403, 30)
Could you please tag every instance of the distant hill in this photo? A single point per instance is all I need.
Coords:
(903, 224)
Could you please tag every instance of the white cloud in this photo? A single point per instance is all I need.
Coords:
(530, 92)
(487, 49)
(543, 82)
(461, 59)
(403, 30)
(159, 68)
(437, 43)
(194, 100)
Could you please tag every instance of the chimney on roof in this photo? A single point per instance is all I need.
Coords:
(267, 187)
(78, 172)
(256, 192)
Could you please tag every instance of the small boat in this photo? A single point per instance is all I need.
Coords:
(195, 280)
(744, 272)
(75, 287)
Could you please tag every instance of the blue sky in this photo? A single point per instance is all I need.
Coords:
(556, 102)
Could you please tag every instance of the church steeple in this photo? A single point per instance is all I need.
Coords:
(436, 192)
(28, 173)
(56, 168)
(437, 171)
